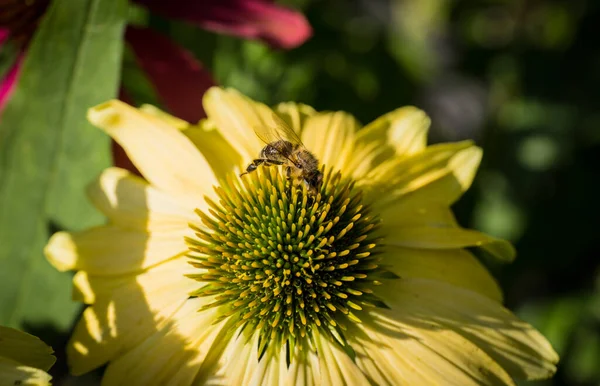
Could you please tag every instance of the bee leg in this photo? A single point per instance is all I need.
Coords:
(309, 188)
(254, 165)
(260, 161)
(288, 172)
(271, 162)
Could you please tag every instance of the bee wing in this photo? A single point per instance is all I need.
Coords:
(277, 130)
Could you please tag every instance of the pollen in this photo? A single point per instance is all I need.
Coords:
(284, 261)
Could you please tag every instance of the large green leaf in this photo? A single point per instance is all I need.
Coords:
(48, 152)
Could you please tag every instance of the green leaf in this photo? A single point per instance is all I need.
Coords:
(8, 57)
(48, 152)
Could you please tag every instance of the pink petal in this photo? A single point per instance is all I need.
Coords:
(4, 34)
(179, 79)
(254, 19)
(7, 85)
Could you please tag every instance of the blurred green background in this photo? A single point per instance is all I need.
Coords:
(520, 77)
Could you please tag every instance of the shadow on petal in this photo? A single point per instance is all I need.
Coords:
(128, 311)
(435, 310)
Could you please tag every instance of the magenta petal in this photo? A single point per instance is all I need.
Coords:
(4, 34)
(253, 19)
(7, 85)
(179, 79)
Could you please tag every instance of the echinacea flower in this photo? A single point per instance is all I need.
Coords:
(24, 359)
(205, 277)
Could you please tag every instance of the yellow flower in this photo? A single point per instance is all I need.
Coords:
(205, 277)
(24, 359)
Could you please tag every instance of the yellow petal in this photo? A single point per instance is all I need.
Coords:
(335, 366)
(404, 129)
(172, 355)
(85, 292)
(294, 114)
(219, 153)
(365, 158)
(392, 350)
(411, 173)
(111, 250)
(398, 177)
(396, 135)
(303, 370)
(237, 363)
(130, 202)
(449, 238)
(432, 215)
(330, 137)
(161, 152)
(430, 306)
(26, 349)
(126, 310)
(236, 116)
(323, 364)
(169, 119)
(231, 363)
(453, 266)
(446, 190)
(13, 373)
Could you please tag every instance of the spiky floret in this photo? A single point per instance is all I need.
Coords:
(282, 261)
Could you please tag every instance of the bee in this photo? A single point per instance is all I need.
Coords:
(284, 147)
